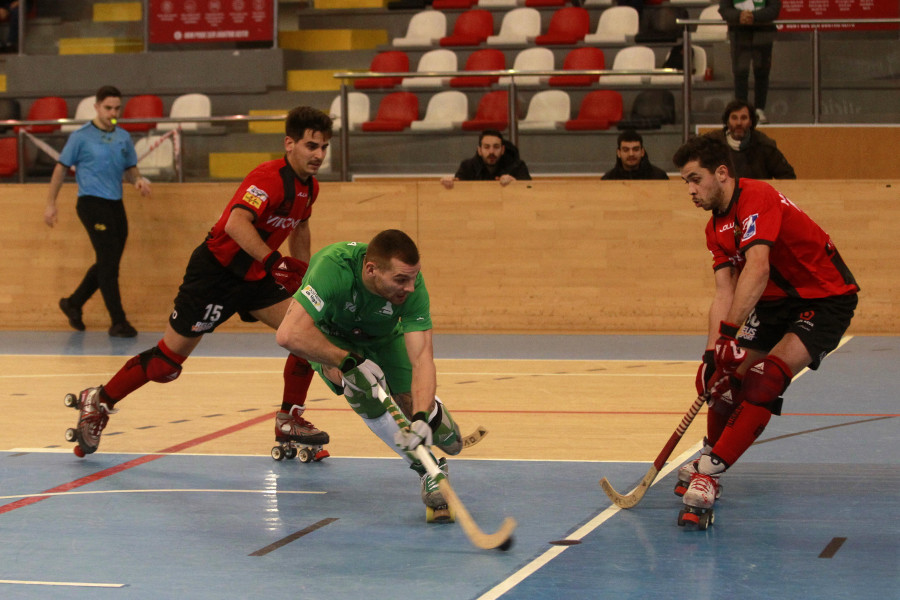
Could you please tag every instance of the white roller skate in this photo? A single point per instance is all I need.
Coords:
(685, 472)
(436, 508)
(93, 415)
(699, 500)
(297, 437)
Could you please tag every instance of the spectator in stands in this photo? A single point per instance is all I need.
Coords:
(9, 12)
(753, 153)
(102, 153)
(631, 159)
(752, 34)
(495, 160)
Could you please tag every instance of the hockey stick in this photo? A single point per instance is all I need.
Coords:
(501, 539)
(632, 498)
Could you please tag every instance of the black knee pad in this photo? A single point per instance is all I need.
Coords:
(764, 383)
(158, 367)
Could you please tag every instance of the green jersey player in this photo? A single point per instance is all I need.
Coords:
(361, 317)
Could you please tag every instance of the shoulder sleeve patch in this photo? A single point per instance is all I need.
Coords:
(313, 297)
(255, 196)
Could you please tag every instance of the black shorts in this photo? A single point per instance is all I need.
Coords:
(210, 294)
(818, 323)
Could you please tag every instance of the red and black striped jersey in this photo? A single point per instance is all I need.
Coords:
(278, 199)
(803, 261)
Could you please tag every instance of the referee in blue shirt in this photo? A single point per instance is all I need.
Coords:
(101, 154)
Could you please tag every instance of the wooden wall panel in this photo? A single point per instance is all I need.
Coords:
(542, 256)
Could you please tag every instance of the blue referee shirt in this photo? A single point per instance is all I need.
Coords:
(100, 159)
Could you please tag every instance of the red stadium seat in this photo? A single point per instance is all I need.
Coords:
(471, 28)
(142, 107)
(395, 112)
(392, 61)
(481, 60)
(492, 112)
(9, 156)
(568, 25)
(580, 59)
(45, 109)
(600, 109)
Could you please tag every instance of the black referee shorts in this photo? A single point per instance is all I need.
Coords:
(819, 324)
(210, 294)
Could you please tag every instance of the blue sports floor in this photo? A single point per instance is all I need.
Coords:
(811, 511)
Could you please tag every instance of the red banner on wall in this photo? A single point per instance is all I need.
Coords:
(193, 21)
(839, 9)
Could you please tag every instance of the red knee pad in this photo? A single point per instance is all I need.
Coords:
(764, 383)
(161, 364)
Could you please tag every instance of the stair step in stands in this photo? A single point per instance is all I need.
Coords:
(100, 45)
(312, 80)
(266, 126)
(236, 165)
(315, 40)
(106, 12)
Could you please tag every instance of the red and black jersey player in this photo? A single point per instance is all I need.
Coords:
(237, 269)
(783, 300)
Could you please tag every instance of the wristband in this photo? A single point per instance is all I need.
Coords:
(269, 261)
(420, 416)
(351, 361)
(709, 357)
(728, 329)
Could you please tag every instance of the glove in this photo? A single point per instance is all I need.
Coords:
(706, 371)
(418, 433)
(361, 376)
(728, 354)
(286, 270)
(722, 394)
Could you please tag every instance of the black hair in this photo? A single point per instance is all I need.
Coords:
(710, 152)
(629, 135)
(392, 243)
(736, 105)
(107, 91)
(304, 117)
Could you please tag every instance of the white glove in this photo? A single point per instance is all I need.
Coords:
(418, 433)
(364, 378)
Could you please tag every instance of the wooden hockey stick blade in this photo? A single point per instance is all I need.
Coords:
(632, 498)
(474, 437)
(480, 539)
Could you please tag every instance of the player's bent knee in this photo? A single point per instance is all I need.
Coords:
(158, 367)
(764, 383)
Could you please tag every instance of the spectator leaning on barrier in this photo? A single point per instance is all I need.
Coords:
(495, 159)
(631, 159)
(754, 154)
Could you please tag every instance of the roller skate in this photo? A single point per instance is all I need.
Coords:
(436, 508)
(92, 418)
(298, 438)
(699, 500)
(684, 479)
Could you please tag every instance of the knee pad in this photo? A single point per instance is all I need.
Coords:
(158, 367)
(764, 383)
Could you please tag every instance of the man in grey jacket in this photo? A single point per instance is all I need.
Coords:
(752, 34)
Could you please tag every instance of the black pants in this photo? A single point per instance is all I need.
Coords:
(744, 51)
(107, 227)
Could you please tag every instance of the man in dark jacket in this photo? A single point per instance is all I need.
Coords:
(753, 153)
(631, 159)
(495, 160)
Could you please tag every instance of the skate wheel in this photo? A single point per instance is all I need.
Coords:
(70, 435)
(277, 453)
(290, 453)
(705, 520)
(71, 400)
(306, 455)
(78, 451)
(439, 515)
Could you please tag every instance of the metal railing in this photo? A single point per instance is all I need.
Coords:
(816, 88)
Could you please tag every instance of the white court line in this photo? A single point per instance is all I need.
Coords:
(532, 567)
(63, 583)
(529, 569)
(160, 491)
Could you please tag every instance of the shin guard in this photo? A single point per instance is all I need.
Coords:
(158, 364)
(298, 376)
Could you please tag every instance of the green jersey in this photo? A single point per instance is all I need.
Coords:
(334, 296)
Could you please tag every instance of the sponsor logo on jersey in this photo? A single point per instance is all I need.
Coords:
(387, 309)
(350, 307)
(726, 227)
(749, 227)
(255, 196)
(277, 222)
(313, 297)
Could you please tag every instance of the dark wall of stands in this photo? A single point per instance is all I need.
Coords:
(554, 256)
